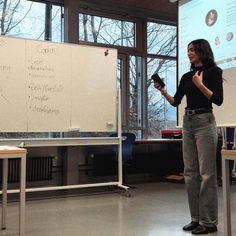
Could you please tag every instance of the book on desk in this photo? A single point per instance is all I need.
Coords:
(171, 133)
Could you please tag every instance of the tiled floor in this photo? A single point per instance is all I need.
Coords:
(155, 209)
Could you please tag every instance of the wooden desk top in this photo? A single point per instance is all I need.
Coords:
(12, 150)
(228, 152)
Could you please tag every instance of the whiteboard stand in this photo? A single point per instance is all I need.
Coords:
(90, 141)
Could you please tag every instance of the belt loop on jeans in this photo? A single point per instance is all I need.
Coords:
(197, 111)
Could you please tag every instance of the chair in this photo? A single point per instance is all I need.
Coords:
(128, 140)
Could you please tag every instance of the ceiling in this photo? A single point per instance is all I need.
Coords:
(158, 9)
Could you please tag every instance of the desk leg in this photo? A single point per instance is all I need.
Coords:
(226, 196)
(22, 195)
(4, 192)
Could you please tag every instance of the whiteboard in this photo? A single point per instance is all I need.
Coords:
(48, 87)
(93, 88)
(13, 108)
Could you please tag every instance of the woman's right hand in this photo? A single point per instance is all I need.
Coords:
(158, 87)
(163, 91)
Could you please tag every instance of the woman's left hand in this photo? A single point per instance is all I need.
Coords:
(197, 79)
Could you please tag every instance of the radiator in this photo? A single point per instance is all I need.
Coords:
(37, 169)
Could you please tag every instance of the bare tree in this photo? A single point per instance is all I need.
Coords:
(105, 30)
(9, 10)
(19, 17)
(162, 42)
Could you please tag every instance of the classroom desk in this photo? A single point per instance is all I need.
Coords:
(227, 155)
(7, 152)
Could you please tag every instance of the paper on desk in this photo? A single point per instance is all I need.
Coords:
(9, 148)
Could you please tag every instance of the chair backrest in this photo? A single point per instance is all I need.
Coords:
(128, 140)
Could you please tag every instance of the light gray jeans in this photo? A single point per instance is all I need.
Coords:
(199, 154)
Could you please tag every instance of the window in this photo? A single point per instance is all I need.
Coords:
(27, 19)
(161, 115)
(104, 30)
(161, 49)
(135, 92)
(57, 24)
(161, 39)
(132, 95)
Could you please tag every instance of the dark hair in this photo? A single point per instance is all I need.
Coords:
(203, 48)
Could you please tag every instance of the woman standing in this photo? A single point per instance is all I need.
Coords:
(202, 86)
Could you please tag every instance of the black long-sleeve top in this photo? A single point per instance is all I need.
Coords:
(212, 79)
